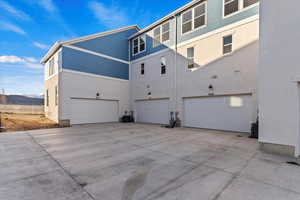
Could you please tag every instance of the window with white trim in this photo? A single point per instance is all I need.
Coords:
(163, 65)
(157, 37)
(249, 3)
(51, 67)
(190, 57)
(194, 18)
(142, 68)
(139, 44)
(165, 35)
(135, 44)
(142, 44)
(199, 16)
(161, 34)
(227, 44)
(233, 6)
(187, 21)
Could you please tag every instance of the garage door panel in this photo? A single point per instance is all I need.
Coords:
(222, 113)
(152, 111)
(93, 111)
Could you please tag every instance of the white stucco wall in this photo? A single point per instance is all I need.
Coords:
(279, 72)
(80, 85)
(160, 86)
(236, 73)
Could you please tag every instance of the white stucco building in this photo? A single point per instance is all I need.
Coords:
(279, 76)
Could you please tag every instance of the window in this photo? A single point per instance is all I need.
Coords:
(233, 6)
(142, 44)
(249, 2)
(56, 96)
(47, 98)
(51, 67)
(199, 16)
(230, 6)
(165, 32)
(187, 21)
(135, 46)
(143, 69)
(161, 34)
(157, 37)
(163, 66)
(227, 44)
(194, 18)
(190, 57)
(139, 44)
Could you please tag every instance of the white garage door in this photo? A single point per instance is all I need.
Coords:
(231, 113)
(152, 111)
(86, 111)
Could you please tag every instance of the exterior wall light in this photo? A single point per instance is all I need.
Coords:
(97, 95)
(211, 90)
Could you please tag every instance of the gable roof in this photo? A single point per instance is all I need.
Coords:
(57, 45)
(167, 17)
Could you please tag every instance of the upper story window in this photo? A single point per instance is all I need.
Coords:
(51, 67)
(157, 37)
(161, 34)
(247, 3)
(165, 32)
(190, 57)
(163, 65)
(194, 18)
(139, 44)
(233, 6)
(227, 44)
(143, 69)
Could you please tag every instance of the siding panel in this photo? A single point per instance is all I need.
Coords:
(115, 45)
(84, 62)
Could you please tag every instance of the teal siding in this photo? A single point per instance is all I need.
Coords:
(114, 45)
(215, 21)
(149, 43)
(88, 63)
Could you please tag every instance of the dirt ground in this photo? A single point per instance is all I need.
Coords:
(22, 122)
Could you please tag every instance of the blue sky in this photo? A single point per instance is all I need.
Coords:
(28, 28)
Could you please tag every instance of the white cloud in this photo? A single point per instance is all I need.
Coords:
(15, 12)
(10, 59)
(27, 61)
(40, 45)
(11, 27)
(48, 5)
(110, 16)
(31, 59)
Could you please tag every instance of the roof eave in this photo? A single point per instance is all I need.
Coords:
(57, 45)
(167, 17)
(51, 51)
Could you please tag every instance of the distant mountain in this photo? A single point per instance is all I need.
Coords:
(41, 96)
(20, 100)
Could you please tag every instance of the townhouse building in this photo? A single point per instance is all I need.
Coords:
(197, 65)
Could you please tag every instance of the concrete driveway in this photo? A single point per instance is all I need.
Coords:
(141, 162)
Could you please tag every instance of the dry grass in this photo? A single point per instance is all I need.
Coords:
(23, 122)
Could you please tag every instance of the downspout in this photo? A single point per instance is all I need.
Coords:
(175, 78)
(130, 78)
